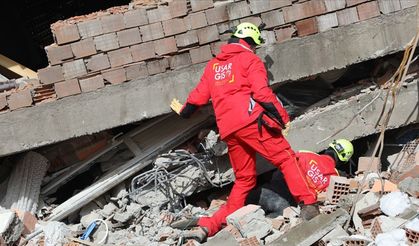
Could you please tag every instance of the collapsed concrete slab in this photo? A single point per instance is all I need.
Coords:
(145, 98)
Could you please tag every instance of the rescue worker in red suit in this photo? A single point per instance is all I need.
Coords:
(317, 168)
(249, 117)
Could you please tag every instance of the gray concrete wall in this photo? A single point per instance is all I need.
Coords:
(137, 100)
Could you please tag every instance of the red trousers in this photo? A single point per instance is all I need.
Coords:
(242, 147)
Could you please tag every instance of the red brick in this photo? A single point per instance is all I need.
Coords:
(112, 23)
(333, 5)
(327, 21)
(57, 54)
(129, 37)
(347, 16)
(97, 62)
(253, 241)
(306, 27)
(178, 8)
(83, 48)
(195, 20)
(217, 15)
(65, 33)
(3, 101)
(303, 10)
(143, 51)
(216, 47)
(180, 60)
(364, 164)
(136, 71)
(174, 26)
(208, 34)
(284, 34)
(350, 3)
(368, 10)
(165, 46)
(67, 88)
(28, 220)
(115, 76)
(198, 5)
(74, 69)
(152, 31)
(201, 54)
(135, 17)
(273, 18)
(187, 39)
(387, 7)
(159, 14)
(90, 28)
(120, 57)
(157, 66)
(106, 42)
(258, 6)
(256, 20)
(238, 10)
(50, 75)
(19, 99)
(91, 83)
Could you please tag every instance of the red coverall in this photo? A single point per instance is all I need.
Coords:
(236, 81)
(317, 169)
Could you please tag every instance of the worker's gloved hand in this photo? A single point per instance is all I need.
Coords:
(176, 105)
(286, 129)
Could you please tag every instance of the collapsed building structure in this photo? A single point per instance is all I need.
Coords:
(101, 126)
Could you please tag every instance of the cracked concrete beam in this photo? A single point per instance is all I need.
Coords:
(146, 98)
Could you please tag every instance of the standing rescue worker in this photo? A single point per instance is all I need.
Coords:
(249, 117)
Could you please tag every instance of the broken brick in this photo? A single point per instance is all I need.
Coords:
(74, 69)
(208, 34)
(326, 22)
(303, 10)
(19, 99)
(388, 187)
(238, 10)
(347, 16)
(67, 88)
(252, 241)
(90, 28)
(258, 6)
(106, 42)
(157, 66)
(28, 220)
(369, 164)
(97, 62)
(198, 5)
(92, 83)
(165, 46)
(217, 15)
(143, 51)
(187, 39)
(135, 17)
(368, 10)
(129, 37)
(273, 18)
(65, 33)
(3, 101)
(201, 54)
(115, 76)
(51, 74)
(112, 23)
(306, 27)
(284, 34)
(174, 26)
(233, 231)
(57, 54)
(152, 31)
(180, 60)
(120, 57)
(136, 71)
(83, 48)
(338, 187)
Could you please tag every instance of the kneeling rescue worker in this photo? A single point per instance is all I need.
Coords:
(250, 119)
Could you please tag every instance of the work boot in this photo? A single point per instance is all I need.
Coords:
(184, 224)
(309, 211)
(200, 234)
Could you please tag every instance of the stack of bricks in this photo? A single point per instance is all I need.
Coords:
(338, 187)
(121, 44)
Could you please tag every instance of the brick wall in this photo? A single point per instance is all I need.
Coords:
(121, 44)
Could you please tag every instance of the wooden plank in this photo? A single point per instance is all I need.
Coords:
(17, 68)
